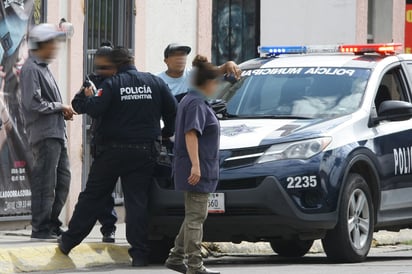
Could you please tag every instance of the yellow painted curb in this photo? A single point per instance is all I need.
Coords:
(49, 257)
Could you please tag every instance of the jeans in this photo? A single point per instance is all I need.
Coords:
(135, 167)
(50, 183)
(188, 241)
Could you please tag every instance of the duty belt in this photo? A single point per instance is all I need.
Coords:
(143, 146)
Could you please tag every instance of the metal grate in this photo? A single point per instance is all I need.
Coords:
(236, 30)
(105, 20)
(238, 184)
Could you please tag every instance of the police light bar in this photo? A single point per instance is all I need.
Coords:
(277, 50)
(384, 49)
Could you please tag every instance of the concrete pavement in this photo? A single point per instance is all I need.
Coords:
(19, 254)
(383, 259)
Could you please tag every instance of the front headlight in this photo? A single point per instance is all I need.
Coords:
(296, 150)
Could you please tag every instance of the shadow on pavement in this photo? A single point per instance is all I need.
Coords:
(274, 259)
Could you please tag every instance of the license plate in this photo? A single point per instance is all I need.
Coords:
(216, 203)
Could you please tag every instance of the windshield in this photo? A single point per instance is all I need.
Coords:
(309, 92)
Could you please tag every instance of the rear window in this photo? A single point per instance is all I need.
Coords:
(309, 92)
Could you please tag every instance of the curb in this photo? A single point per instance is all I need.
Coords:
(49, 258)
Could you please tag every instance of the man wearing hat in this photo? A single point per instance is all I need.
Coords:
(44, 121)
(177, 75)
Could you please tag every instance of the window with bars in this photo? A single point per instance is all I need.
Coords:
(236, 30)
(108, 20)
(105, 20)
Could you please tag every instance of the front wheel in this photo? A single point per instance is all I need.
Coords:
(351, 239)
(291, 248)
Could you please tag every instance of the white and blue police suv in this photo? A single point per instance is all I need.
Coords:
(316, 143)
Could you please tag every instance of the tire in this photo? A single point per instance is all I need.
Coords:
(350, 241)
(159, 250)
(291, 248)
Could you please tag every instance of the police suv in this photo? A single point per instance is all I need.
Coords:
(316, 143)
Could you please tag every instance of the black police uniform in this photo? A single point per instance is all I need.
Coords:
(130, 105)
(108, 216)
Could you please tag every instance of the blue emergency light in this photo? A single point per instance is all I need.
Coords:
(277, 50)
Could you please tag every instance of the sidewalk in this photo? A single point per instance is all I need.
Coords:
(19, 254)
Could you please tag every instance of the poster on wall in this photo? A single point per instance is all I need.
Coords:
(408, 27)
(16, 17)
(236, 29)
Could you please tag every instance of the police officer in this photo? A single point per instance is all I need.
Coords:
(130, 105)
(104, 68)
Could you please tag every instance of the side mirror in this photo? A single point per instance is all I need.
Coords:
(394, 111)
(219, 106)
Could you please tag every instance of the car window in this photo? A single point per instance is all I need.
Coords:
(391, 88)
(305, 92)
(409, 66)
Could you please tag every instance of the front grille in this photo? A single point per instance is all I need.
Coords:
(244, 156)
(242, 211)
(239, 183)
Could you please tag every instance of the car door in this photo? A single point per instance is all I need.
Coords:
(393, 147)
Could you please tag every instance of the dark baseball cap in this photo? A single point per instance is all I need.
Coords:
(176, 47)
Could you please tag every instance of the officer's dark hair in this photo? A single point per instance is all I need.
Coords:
(121, 56)
(204, 71)
(105, 49)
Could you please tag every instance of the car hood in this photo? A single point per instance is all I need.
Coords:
(244, 133)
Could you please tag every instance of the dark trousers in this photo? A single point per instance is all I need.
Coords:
(135, 168)
(108, 218)
(50, 182)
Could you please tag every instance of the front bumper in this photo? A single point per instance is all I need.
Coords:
(263, 212)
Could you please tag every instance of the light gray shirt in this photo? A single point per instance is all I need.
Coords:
(177, 85)
(42, 102)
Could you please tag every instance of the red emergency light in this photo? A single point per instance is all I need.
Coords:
(384, 49)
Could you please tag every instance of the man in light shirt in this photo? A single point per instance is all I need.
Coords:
(177, 75)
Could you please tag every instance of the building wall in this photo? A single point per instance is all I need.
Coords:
(164, 22)
(331, 21)
(382, 21)
(308, 22)
(398, 26)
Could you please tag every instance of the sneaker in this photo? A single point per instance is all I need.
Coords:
(181, 268)
(41, 236)
(204, 270)
(62, 247)
(109, 237)
(57, 232)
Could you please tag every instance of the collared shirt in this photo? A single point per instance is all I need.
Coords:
(42, 102)
(130, 105)
(177, 85)
(194, 113)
